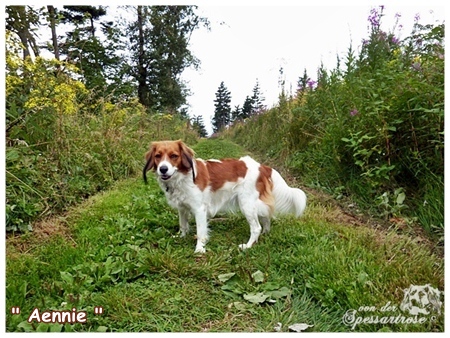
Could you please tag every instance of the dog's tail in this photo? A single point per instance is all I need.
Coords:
(287, 200)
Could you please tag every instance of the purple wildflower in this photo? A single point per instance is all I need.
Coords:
(311, 83)
(417, 17)
(395, 40)
(398, 15)
(374, 18)
(354, 112)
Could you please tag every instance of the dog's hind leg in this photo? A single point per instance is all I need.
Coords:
(249, 211)
(265, 222)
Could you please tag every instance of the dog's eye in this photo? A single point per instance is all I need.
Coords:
(174, 156)
(158, 156)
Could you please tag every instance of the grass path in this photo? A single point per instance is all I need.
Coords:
(118, 251)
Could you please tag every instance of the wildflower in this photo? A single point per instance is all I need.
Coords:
(398, 15)
(395, 40)
(354, 112)
(417, 17)
(311, 83)
(374, 18)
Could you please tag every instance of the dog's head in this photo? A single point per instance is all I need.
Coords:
(168, 158)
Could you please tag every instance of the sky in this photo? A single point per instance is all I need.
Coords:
(247, 44)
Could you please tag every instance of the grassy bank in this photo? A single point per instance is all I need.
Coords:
(371, 129)
(118, 250)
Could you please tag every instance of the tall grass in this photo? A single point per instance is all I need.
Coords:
(371, 128)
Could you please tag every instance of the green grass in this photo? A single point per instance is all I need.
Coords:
(118, 250)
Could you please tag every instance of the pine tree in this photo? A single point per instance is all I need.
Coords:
(247, 108)
(199, 126)
(236, 114)
(257, 99)
(84, 48)
(222, 111)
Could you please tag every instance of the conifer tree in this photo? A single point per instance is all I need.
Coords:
(257, 99)
(199, 126)
(222, 111)
(247, 108)
(236, 113)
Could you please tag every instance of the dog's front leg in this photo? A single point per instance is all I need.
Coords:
(202, 229)
(183, 217)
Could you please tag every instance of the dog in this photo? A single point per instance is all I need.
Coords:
(204, 188)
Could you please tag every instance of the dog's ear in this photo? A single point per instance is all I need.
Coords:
(187, 156)
(150, 164)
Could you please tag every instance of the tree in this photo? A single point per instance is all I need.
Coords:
(236, 113)
(161, 53)
(23, 21)
(257, 99)
(199, 126)
(247, 108)
(52, 21)
(96, 59)
(80, 14)
(222, 109)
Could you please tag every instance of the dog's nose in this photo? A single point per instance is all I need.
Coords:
(163, 169)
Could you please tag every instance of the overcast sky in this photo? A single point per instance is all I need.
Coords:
(247, 43)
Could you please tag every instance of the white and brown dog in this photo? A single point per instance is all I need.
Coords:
(204, 188)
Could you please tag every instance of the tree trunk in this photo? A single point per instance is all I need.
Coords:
(51, 12)
(142, 67)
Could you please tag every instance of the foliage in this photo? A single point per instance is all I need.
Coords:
(63, 144)
(372, 127)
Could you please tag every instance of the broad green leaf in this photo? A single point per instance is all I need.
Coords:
(67, 277)
(401, 198)
(280, 293)
(225, 276)
(27, 327)
(256, 298)
(258, 276)
(42, 327)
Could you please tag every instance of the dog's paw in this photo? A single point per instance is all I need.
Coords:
(243, 246)
(200, 250)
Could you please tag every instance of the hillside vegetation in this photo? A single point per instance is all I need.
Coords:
(371, 129)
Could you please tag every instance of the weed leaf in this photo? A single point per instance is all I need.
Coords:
(225, 276)
(299, 327)
(256, 298)
(258, 276)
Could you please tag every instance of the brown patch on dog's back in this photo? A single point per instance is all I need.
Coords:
(226, 170)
